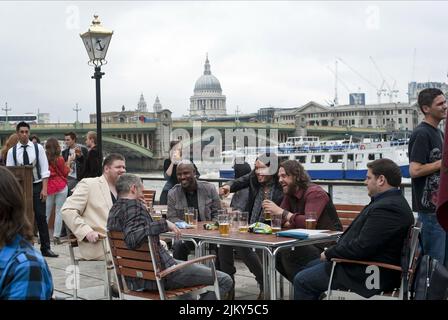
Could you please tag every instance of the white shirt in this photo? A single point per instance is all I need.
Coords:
(43, 161)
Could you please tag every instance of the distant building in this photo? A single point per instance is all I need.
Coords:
(43, 117)
(208, 99)
(358, 99)
(157, 107)
(414, 89)
(141, 106)
(131, 116)
(389, 116)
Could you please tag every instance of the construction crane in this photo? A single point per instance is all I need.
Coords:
(379, 91)
(391, 91)
(338, 79)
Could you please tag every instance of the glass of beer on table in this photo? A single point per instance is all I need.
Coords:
(191, 216)
(224, 224)
(243, 225)
(276, 223)
(310, 220)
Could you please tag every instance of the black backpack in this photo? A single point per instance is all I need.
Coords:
(430, 280)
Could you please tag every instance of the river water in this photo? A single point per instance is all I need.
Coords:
(341, 194)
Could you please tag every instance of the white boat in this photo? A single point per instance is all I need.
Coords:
(339, 161)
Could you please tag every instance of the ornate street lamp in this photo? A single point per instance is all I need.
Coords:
(96, 41)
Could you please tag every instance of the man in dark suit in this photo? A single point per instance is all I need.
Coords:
(377, 234)
(93, 163)
(79, 153)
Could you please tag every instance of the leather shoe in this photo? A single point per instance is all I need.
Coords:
(49, 253)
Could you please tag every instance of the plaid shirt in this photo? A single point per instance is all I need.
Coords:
(133, 219)
(24, 273)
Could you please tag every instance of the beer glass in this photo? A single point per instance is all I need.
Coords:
(191, 216)
(156, 215)
(276, 223)
(266, 213)
(224, 224)
(310, 220)
(243, 225)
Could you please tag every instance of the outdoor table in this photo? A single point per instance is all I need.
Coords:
(270, 245)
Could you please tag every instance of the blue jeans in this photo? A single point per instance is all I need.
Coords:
(311, 282)
(434, 237)
(58, 200)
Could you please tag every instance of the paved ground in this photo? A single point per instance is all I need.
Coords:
(91, 278)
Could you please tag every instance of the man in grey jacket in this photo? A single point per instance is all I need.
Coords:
(190, 193)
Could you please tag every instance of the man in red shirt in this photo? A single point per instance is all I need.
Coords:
(301, 198)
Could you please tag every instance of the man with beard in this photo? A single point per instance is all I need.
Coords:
(190, 193)
(301, 197)
(263, 184)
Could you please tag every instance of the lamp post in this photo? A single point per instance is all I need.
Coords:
(6, 112)
(96, 40)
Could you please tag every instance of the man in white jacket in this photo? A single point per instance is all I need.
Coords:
(86, 211)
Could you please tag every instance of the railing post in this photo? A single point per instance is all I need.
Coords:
(330, 191)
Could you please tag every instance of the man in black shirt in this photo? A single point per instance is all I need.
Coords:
(425, 154)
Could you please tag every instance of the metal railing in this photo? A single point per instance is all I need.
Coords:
(329, 184)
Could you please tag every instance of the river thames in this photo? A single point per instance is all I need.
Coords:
(341, 194)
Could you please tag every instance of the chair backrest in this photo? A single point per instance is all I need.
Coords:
(413, 250)
(135, 263)
(347, 213)
(149, 197)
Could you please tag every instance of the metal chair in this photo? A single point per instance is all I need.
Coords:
(144, 263)
(406, 276)
(72, 244)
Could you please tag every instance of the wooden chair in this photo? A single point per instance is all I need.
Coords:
(347, 213)
(72, 244)
(150, 195)
(143, 263)
(406, 277)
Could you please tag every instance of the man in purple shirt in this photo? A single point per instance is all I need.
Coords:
(301, 197)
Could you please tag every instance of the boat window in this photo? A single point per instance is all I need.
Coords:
(283, 158)
(336, 158)
(359, 157)
(317, 159)
(371, 156)
(301, 159)
(350, 157)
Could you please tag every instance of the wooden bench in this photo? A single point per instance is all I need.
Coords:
(347, 213)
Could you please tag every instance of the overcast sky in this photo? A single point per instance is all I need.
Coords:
(264, 53)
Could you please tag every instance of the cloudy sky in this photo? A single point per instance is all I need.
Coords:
(266, 53)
